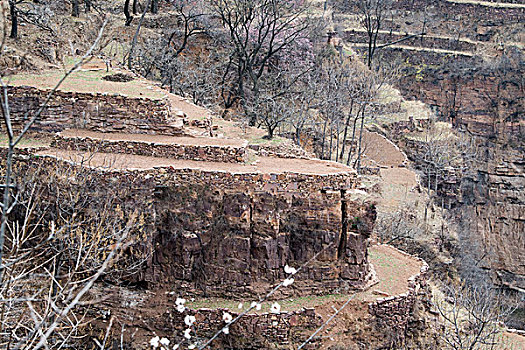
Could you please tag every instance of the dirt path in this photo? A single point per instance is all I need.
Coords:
(265, 165)
(397, 182)
(380, 151)
(417, 48)
(489, 3)
(160, 139)
(392, 267)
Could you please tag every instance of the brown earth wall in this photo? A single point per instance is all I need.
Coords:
(226, 154)
(97, 112)
(451, 10)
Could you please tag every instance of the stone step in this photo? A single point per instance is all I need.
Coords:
(172, 147)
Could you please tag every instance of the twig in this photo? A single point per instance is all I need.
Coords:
(13, 142)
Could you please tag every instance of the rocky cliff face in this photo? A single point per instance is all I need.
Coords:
(217, 230)
(494, 201)
(482, 100)
(486, 103)
(231, 234)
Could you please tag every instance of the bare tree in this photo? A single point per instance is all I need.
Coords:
(190, 21)
(259, 32)
(75, 8)
(129, 17)
(472, 316)
(136, 36)
(373, 13)
(154, 6)
(13, 11)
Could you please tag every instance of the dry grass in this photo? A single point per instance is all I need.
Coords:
(27, 142)
(440, 131)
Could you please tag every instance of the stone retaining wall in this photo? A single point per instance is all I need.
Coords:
(93, 111)
(255, 331)
(453, 10)
(425, 42)
(281, 151)
(396, 311)
(228, 154)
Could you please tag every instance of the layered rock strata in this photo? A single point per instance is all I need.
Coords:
(229, 234)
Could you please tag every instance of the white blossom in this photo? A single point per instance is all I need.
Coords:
(240, 306)
(290, 270)
(187, 333)
(154, 342)
(191, 347)
(165, 341)
(176, 346)
(180, 301)
(227, 317)
(226, 330)
(189, 320)
(288, 282)
(276, 308)
(181, 308)
(274, 323)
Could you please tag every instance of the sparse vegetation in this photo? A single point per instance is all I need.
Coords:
(131, 248)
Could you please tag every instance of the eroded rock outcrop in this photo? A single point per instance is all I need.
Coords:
(228, 234)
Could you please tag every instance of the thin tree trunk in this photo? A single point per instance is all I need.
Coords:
(87, 4)
(14, 19)
(75, 12)
(337, 143)
(353, 138)
(154, 6)
(298, 136)
(346, 130)
(135, 7)
(6, 202)
(360, 140)
(129, 17)
(324, 138)
(136, 36)
(331, 140)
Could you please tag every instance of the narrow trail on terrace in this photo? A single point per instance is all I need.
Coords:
(397, 182)
(265, 165)
(158, 139)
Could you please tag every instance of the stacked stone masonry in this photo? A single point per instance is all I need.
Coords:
(456, 10)
(417, 41)
(226, 154)
(93, 111)
(257, 331)
(396, 311)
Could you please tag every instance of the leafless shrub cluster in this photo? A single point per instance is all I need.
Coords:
(61, 236)
(473, 316)
(60, 232)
